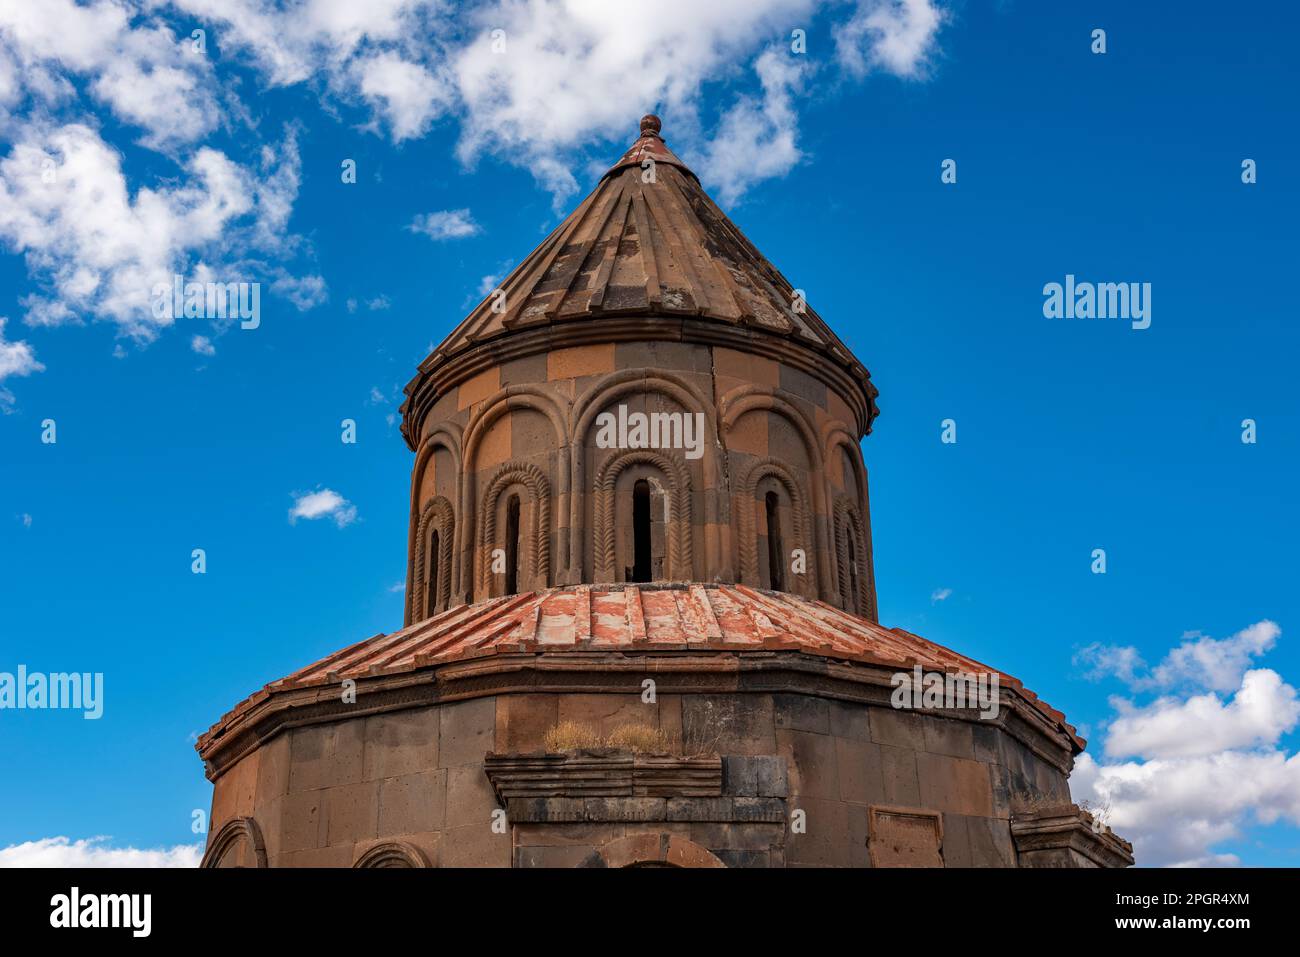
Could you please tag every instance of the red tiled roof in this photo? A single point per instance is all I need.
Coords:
(627, 618)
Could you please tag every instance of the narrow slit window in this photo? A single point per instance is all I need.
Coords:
(641, 531)
(853, 570)
(432, 606)
(775, 561)
(512, 545)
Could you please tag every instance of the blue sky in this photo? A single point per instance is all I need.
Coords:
(1072, 435)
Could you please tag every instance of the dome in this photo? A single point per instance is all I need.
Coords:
(647, 242)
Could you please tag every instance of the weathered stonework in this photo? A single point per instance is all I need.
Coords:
(724, 599)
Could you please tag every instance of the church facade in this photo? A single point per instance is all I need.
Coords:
(641, 624)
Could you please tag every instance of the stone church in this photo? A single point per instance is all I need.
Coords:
(641, 621)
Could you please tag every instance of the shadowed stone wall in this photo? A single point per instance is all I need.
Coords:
(327, 794)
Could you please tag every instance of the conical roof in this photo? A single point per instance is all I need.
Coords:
(648, 240)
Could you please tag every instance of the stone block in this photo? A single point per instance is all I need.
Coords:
(859, 833)
(739, 775)
(625, 809)
(737, 858)
(985, 736)
(301, 817)
(524, 719)
(899, 729)
(825, 843)
(273, 770)
(339, 855)
(235, 792)
(567, 855)
(850, 720)
(949, 736)
(729, 724)
(592, 835)
(898, 776)
(545, 810)
(858, 768)
(474, 845)
(812, 763)
(351, 812)
(413, 802)
(772, 779)
(605, 712)
(717, 835)
(797, 712)
(326, 755)
(467, 732)
(956, 842)
(990, 842)
(400, 742)
(954, 784)
(755, 809)
(469, 797)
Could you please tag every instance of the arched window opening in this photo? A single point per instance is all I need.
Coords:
(512, 545)
(775, 553)
(641, 562)
(431, 605)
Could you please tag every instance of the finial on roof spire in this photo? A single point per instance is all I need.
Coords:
(650, 124)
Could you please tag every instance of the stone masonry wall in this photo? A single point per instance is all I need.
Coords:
(324, 794)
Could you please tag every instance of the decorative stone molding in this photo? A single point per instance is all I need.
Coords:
(680, 552)
(437, 516)
(1067, 836)
(746, 515)
(237, 831)
(538, 542)
(602, 773)
(850, 543)
(392, 854)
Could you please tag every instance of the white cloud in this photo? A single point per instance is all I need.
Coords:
(407, 94)
(146, 75)
(572, 73)
(95, 852)
(897, 36)
(305, 292)
(756, 138)
(1199, 662)
(203, 346)
(446, 224)
(1200, 768)
(323, 503)
(1262, 710)
(1176, 811)
(940, 594)
(17, 358)
(378, 303)
(25, 519)
(97, 250)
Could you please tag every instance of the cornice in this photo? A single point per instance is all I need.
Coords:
(595, 672)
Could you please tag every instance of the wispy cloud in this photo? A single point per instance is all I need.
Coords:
(940, 594)
(446, 224)
(17, 358)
